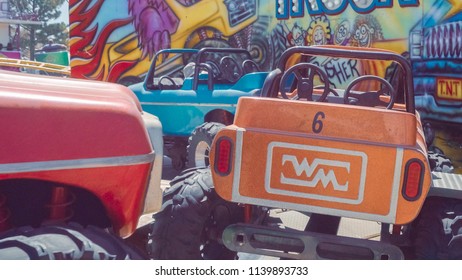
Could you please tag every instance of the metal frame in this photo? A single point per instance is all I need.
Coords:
(348, 52)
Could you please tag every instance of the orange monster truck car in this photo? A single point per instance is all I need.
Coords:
(324, 151)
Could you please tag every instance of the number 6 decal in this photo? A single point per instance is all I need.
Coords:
(317, 122)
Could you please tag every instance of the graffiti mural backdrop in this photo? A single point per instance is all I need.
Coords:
(114, 40)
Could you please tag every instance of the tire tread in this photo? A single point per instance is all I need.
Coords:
(69, 242)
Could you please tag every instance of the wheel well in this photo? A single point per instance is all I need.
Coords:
(28, 203)
(220, 116)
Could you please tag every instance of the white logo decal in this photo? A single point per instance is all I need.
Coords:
(309, 170)
(316, 172)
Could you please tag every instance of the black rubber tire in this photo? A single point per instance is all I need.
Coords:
(202, 134)
(278, 44)
(66, 242)
(437, 231)
(187, 227)
(260, 44)
(176, 151)
(427, 235)
(438, 161)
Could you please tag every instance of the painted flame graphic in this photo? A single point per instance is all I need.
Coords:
(87, 57)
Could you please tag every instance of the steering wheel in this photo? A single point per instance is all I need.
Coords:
(172, 82)
(230, 69)
(304, 76)
(331, 90)
(215, 68)
(250, 66)
(370, 98)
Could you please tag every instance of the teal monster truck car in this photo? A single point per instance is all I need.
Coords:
(327, 152)
(194, 93)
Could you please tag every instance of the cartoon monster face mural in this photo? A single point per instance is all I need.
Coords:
(297, 37)
(366, 31)
(364, 35)
(342, 33)
(319, 32)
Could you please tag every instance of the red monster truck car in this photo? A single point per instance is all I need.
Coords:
(325, 151)
(80, 162)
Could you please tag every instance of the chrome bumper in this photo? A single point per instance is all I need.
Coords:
(153, 199)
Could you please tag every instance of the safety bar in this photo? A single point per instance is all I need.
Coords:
(149, 80)
(357, 53)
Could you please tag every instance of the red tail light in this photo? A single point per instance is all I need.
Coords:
(223, 156)
(413, 179)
